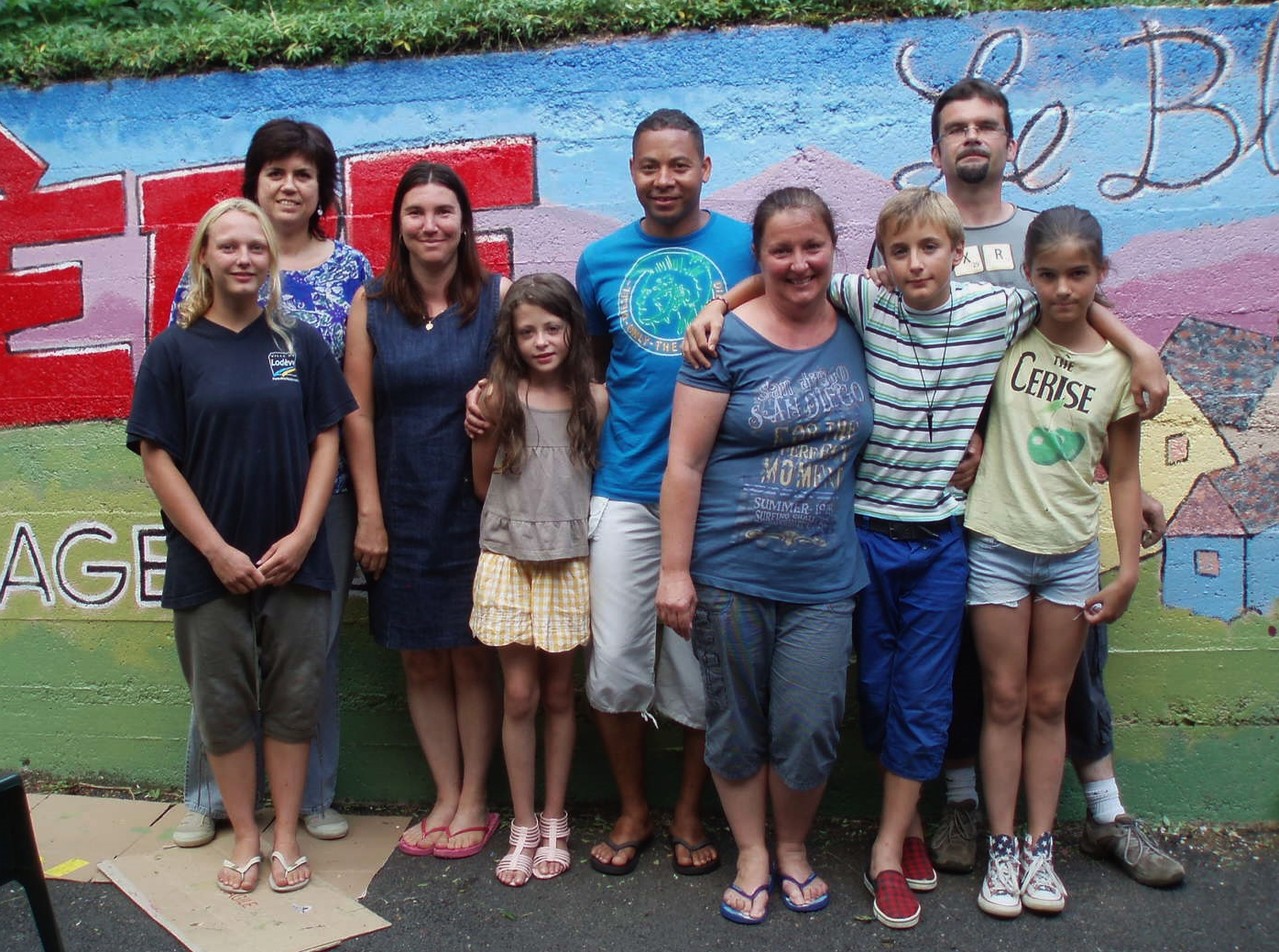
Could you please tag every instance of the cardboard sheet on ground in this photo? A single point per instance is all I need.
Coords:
(74, 834)
(181, 895)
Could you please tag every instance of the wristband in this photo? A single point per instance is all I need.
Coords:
(723, 300)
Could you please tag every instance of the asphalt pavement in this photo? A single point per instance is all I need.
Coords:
(1229, 900)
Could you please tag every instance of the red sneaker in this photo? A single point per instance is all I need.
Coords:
(895, 905)
(916, 866)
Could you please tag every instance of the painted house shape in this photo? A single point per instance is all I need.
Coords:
(1223, 542)
(1231, 374)
(1183, 442)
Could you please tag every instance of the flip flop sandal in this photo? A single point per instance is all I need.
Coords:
(414, 849)
(552, 829)
(243, 871)
(691, 869)
(739, 916)
(624, 869)
(813, 905)
(288, 867)
(462, 852)
(517, 860)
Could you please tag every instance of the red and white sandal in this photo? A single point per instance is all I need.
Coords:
(554, 830)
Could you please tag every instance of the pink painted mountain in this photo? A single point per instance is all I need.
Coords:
(1227, 274)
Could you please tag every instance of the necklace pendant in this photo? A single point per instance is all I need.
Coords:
(930, 426)
(430, 325)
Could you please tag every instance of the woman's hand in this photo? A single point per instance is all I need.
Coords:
(676, 600)
(881, 277)
(1153, 521)
(282, 561)
(236, 571)
(371, 546)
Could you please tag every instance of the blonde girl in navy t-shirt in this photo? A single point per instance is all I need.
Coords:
(235, 416)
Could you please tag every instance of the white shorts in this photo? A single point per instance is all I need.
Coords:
(625, 674)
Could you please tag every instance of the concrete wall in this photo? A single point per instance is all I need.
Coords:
(1162, 120)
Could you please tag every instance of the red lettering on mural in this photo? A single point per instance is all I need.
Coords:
(66, 385)
(497, 173)
(53, 387)
(172, 205)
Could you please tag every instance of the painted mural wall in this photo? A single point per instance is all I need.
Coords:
(1161, 120)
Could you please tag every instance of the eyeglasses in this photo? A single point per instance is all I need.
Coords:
(987, 129)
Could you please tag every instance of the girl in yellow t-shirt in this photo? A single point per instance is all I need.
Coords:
(1060, 398)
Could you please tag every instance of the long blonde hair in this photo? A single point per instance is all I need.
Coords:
(200, 295)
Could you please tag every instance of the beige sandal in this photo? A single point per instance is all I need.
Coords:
(517, 860)
(553, 829)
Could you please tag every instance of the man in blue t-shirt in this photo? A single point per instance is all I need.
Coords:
(640, 287)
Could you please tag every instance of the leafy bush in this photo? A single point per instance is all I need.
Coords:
(50, 40)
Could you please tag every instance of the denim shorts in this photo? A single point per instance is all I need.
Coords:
(776, 674)
(999, 574)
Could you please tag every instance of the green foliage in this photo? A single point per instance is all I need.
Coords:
(50, 40)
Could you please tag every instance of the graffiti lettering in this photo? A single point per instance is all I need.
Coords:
(47, 388)
(116, 573)
(60, 384)
(1192, 107)
(1268, 107)
(31, 577)
(149, 578)
(92, 582)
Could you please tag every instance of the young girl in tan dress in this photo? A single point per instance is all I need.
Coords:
(531, 600)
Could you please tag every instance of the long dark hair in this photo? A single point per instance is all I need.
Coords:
(556, 296)
(469, 277)
(281, 138)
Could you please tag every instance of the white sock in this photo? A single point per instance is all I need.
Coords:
(1103, 800)
(961, 784)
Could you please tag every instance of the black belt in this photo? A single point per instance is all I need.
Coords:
(910, 531)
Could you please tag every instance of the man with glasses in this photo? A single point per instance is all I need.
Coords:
(972, 142)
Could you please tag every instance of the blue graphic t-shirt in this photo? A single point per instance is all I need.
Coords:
(320, 296)
(776, 512)
(642, 292)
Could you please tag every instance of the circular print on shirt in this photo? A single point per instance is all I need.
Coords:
(662, 293)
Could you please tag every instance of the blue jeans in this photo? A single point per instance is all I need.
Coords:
(907, 636)
(202, 795)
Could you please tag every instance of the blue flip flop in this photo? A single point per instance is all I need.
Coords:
(816, 905)
(743, 918)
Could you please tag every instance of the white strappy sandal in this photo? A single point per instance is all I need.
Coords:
(517, 859)
(553, 830)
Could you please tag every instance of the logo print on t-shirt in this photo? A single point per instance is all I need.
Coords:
(662, 293)
(978, 259)
(284, 366)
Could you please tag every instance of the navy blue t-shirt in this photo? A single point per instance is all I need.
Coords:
(238, 413)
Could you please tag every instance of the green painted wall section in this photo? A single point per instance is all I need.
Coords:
(97, 692)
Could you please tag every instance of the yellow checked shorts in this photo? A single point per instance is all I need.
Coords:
(543, 604)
